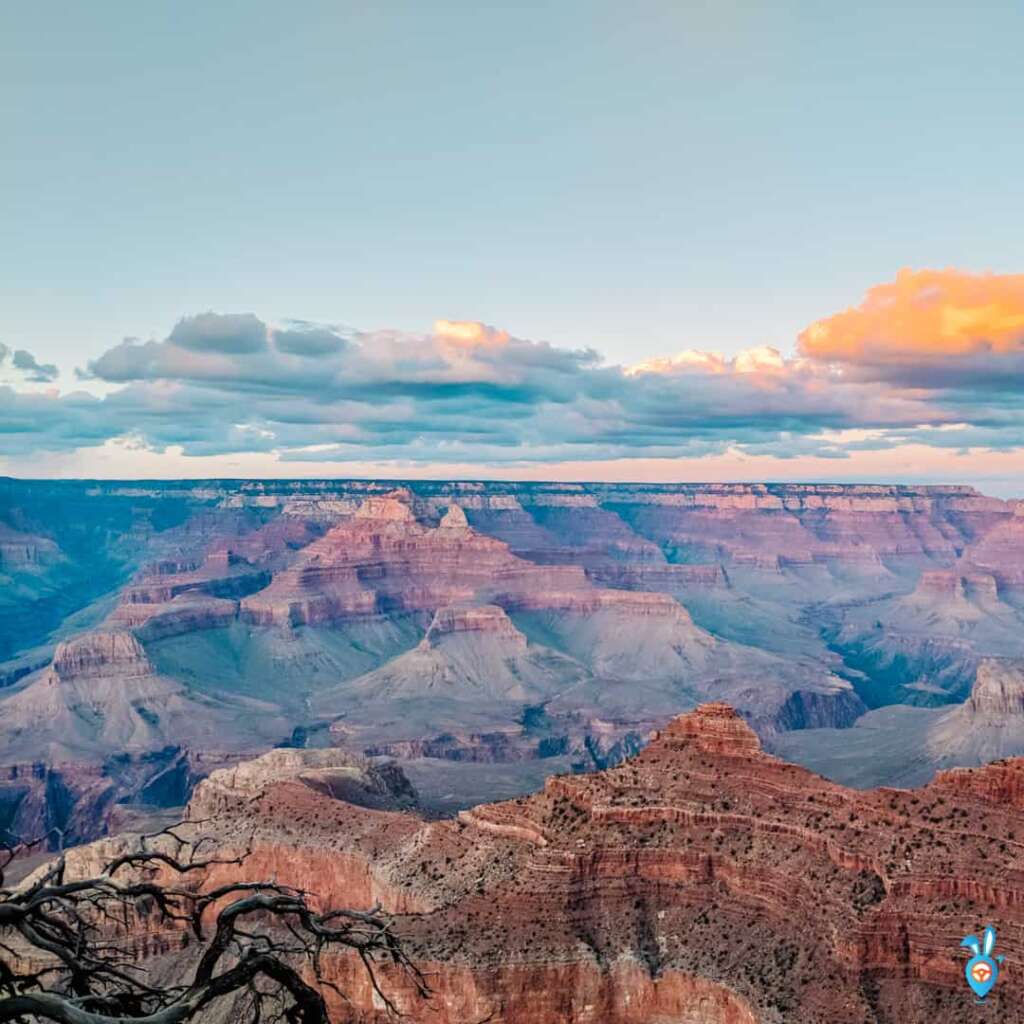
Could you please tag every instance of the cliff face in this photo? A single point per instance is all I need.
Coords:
(177, 595)
(73, 802)
(25, 551)
(101, 696)
(998, 691)
(989, 724)
(100, 654)
(506, 631)
(36, 798)
(999, 551)
(700, 881)
(384, 560)
(485, 619)
(335, 773)
(908, 745)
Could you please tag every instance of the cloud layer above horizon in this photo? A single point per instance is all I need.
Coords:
(933, 358)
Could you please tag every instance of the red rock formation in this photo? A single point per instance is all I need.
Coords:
(454, 519)
(98, 654)
(701, 881)
(83, 799)
(383, 560)
(941, 583)
(485, 618)
(179, 616)
(526, 566)
(568, 528)
(804, 523)
(999, 551)
(654, 576)
(469, 653)
(1000, 783)
(76, 797)
(482, 748)
(333, 772)
(588, 601)
(179, 595)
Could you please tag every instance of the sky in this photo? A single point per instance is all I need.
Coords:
(305, 216)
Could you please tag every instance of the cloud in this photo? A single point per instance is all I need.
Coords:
(470, 334)
(309, 340)
(468, 393)
(931, 329)
(459, 361)
(232, 334)
(751, 360)
(34, 371)
(31, 421)
(27, 367)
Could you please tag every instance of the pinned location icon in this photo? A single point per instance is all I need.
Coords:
(982, 970)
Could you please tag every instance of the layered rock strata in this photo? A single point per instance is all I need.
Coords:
(703, 880)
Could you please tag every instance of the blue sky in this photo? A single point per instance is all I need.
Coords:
(637, 181)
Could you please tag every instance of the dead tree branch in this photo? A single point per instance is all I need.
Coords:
(65, 953)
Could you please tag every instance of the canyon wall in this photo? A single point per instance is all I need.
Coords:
(701, 880)
(490, 622)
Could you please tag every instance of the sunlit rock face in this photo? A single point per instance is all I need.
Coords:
(335, 773)
(701, 880)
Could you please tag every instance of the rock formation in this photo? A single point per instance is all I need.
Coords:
(908, 746)
(439, 617)
(999, 551)
(454, 519)
(470, 653)
(701, 881)
(383, 560)
(378, 784)
(101, 696)
(175, 596)
(998, 691)
(98, 655)
(75, 801)
(485, 618)
(25, 551)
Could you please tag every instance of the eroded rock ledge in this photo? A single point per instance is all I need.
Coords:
(702, 880)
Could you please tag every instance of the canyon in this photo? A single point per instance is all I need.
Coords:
(701, 881)
(489, 635)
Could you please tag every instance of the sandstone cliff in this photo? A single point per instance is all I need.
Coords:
(700, 881)
(340, 775)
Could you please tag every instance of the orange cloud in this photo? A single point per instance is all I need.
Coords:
(469, 334)
(928, 315)
(751, 361)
